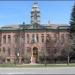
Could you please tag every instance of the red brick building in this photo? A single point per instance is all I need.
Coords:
(24, 40)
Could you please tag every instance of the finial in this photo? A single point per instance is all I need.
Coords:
(36, 2)
(49, 22)
(23, 23)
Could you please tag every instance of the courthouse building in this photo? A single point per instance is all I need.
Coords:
(29, 39)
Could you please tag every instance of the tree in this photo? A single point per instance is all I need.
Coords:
(42, 54)
(68, 51)
(57, 51)
(72, 32)
(72, 22)
(52, 47)
(27, 57)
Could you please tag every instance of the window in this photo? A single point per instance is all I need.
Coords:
(4, 39)
(22, 38)
(0, 50)
(9, 38)
(28, 49)
(42, 37)
(41, 48)
(62, 38)
(3, 49)
(55, 38)
(16, 38)
(27, 38)
(48, 37)
(37, 37)
(8, 60)
(55, 51)
(22, 35)
(67, 36)
(8, 51)
(33, 38)
(0, 40)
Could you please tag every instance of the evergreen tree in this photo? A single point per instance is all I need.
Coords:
(72, 22)
(72, 30)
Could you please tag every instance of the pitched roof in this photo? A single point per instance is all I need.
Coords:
(34, 26)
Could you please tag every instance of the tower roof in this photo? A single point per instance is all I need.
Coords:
(35, 7)
(35, 4)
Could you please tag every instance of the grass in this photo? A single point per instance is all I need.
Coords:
(36, 65)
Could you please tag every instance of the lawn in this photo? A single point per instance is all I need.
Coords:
(37, 65)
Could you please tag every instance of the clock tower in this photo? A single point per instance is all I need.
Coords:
(35, 14)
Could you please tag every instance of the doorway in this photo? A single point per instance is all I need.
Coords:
(35, 54)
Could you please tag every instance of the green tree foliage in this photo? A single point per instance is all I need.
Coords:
(72, 22)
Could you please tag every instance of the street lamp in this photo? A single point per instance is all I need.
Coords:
(18, 56)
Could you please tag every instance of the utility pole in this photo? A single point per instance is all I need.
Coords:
(23, 42)
(45, 48)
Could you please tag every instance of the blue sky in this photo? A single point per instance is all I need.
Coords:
(17, 12)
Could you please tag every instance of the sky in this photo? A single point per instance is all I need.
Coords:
(17, 12)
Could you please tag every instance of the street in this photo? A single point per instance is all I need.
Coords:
(45, 70)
